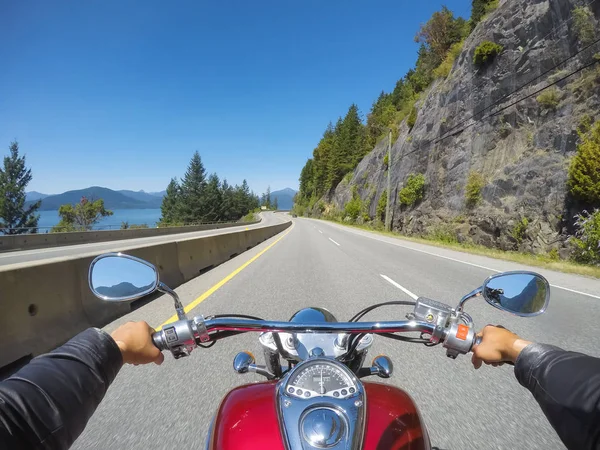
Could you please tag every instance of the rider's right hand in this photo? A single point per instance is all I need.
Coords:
(498, 345)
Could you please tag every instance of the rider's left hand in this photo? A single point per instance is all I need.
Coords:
(135, 342)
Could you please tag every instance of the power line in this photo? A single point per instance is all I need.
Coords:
(495, 113)
(554, 30)
(501, 99)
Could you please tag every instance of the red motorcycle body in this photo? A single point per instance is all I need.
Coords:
(247, 420)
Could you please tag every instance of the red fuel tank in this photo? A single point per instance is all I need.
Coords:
(247, 420)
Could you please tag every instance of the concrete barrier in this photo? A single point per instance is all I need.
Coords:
(43, 240)
(42, 306)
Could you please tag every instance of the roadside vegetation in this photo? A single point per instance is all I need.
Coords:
(15, 216)
(81, 216)
(198, 198)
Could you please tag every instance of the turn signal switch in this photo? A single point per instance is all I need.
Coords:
(244, 363)
(382, 366)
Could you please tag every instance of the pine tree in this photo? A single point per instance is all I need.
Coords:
(171, 203)
(275, 205)
(213, 199)
(268, 197)
(227, 202)
(15, 216)
(193, 205)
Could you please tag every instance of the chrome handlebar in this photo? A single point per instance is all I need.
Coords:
(182, 336)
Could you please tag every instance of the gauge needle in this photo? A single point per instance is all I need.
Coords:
(322, 384)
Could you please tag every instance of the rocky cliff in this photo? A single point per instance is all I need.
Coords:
(491, 121)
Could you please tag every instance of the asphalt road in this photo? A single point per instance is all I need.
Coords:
(43, 255)
(322, 264)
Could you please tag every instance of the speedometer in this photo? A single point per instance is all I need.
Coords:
(320, 378)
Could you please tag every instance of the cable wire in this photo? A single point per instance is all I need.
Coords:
(495, 113)
(521, 87)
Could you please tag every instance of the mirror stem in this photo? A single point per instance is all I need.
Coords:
(475, 293)
(178, 306)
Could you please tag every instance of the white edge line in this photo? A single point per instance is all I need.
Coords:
(403, 289)
(459, 261)
(334, 242)
(575, 292)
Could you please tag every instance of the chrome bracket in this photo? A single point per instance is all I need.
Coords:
(201, 328)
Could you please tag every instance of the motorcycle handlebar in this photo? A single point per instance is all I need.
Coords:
(188, 333)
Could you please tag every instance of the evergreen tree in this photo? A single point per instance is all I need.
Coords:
(321, 156)
(227, 202)
(275, 205)
(268, 197)
(193, 205)
(15, 217)
(246, 199)
(171, 203)
(478, 10)
(213, 199)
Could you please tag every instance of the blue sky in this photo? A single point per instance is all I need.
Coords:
(120, 93)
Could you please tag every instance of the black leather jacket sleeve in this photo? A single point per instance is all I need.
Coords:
(567, 387)
(47, 403)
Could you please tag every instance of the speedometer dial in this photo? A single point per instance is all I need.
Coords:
(320, 378)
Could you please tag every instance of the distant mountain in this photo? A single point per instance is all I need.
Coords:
(145, 197)
(112, 199)
(34, 196)
(285, 198)
(160, 194)
(124, 289)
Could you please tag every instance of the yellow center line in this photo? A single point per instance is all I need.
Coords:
(221, 283)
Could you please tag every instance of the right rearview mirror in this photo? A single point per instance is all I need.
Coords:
(524, 294)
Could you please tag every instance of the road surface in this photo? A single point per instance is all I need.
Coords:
(43, 255)
(317, 263)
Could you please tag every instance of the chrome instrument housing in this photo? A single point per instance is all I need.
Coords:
(321, 421)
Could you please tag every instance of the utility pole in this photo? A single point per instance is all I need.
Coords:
(388, 217)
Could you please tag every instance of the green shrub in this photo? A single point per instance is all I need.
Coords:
(250, 217)
(587, 238)
(584, 24)
(550, 98)
(299, 210)
(413, 191)
(584, 171)
(382, 205)
(519, 230)
(443, 232)
(553, 255)
(353, 208)
(475, 183)
(491, 6)
(141, 226)
(587, 84)
(486, 52)
(443, 70)
(412, 117)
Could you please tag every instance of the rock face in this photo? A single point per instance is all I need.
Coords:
(489, 121)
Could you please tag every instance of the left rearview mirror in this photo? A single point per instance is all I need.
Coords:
(524, 294)
(116, 277)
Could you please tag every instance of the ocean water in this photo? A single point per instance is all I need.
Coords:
(134, 216)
